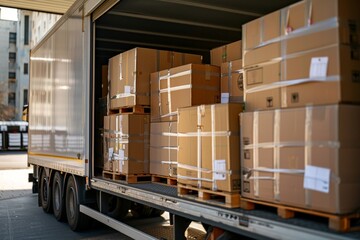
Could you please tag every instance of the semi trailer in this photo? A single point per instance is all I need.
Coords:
(65, 112)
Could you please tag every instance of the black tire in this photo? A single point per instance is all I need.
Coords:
(140, 210)
(74, 196)
(58, 197)
(45, 192)
(113, 206)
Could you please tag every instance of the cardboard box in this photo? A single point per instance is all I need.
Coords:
(126, 143)
(163, 148)
(184, 86)
(208, 155)
(232, 81)
(129, 73)
(282, 149)
(226, 53)
(311, 53)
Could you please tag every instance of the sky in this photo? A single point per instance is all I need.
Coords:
(8, 13)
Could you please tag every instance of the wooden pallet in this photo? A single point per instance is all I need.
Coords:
(128, 178)
(167, 180)
(340, 223)
(219, 198)
(131, 110)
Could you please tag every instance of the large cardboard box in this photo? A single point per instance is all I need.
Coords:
(126, 143)
(226, 53)
(310, 49)
(232, 81)
(208, 139)
(129, 73)
(163, 148)
(183, 86)
(305, 157)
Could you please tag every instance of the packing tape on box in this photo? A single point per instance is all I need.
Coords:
(279, 84)
(309, 29)
(330, 144)
(307, 153)
(213, 144)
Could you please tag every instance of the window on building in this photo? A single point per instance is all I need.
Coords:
(12, 75)
(26, 30)
(12, 56)
(12, 86)
(12, 37)
(11, 99)
(25, 96)
(26, 68)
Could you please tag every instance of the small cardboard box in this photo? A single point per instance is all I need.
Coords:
(183, 86)
(163, 148)
(232, 81)
(129, 73)
(226, 53)
(304, 157)
(208, 155)
(126, 143)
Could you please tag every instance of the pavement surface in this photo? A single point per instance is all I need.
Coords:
(22, 218)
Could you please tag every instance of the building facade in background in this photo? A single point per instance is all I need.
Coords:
(8, 67)
(16, 40)
(23, 60)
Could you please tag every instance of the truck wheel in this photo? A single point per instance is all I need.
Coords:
(45, 192)
(113, 206)
(57, 197)
(76, 220)
(140, 210)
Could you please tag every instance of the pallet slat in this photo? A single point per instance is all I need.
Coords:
(128, 178)
(130, 110)
(340, 223)
(224, 199)
(167, 180)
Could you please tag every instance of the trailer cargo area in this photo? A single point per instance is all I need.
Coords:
(68, 103)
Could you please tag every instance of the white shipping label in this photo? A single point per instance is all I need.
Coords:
(219, 169)
(111, 152)
(318, 67)
(121, 154)
(127, 89)
(317, 179)
(225, 97)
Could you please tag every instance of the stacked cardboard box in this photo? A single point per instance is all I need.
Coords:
(228, 57)
(293, 54)
(301, 62)
(305, 157)
(129, 74)
(163, 148)
(208, 155)
(183, 86)
(126, 143)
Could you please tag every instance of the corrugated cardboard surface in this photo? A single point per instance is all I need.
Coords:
(278, 145)
(183, 86)
(129, 73)
(279, 49)
(226, 53)
(127, 137)
(208, 155)
(232, 80)
(163, 148)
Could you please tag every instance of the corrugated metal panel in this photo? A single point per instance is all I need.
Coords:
(51, 6)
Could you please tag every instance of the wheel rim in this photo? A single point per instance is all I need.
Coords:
(72, 202)
(57, 196)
